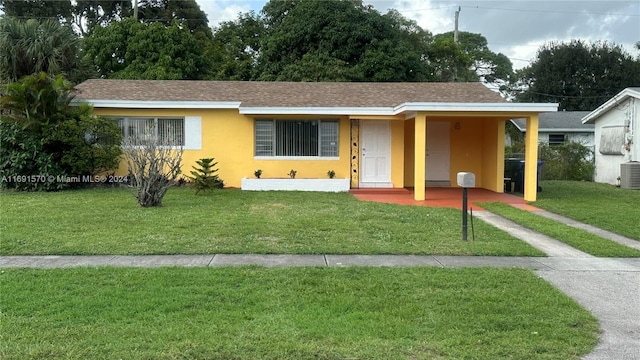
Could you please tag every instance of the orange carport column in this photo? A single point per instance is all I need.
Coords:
(531, 159)
(420, 146)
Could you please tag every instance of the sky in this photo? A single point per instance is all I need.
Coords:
(514, 28)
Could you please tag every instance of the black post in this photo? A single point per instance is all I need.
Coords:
(464, 213)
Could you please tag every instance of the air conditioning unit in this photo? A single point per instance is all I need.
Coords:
(630, 175)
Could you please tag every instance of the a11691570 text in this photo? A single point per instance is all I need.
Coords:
(98, 179)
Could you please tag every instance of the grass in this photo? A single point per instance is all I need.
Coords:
(605, 206)
(577, 238)
(108, 221)
(288, 313)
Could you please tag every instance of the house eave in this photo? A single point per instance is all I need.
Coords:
(143, 104)
(566, 130)
(478, 107)
(354, 111)
(614, 101)
(406, 108)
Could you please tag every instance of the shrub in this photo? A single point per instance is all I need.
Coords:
(43, 137)
(205, 177)
(22, 154)
(153, 167)
(568, 161)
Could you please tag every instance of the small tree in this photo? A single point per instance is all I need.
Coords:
(154, 166)
(205, 177)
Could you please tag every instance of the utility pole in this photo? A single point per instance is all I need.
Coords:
(135, 10)
(455, 30)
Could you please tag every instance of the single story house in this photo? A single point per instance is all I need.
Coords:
(617, 135)
(555, 128)
(392, 135)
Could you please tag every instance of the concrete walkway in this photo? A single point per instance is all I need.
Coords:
(274, 260)
(590, 228)
(549, 246)
(608, 287)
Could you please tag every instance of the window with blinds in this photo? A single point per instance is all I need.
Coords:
(315, 138)
(556, 139)
(168, 131)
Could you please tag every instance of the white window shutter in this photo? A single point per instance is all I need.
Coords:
(193, 133)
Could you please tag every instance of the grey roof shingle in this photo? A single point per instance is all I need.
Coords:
(287, 94)
(561, 120)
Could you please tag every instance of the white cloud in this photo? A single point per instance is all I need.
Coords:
(219, 11)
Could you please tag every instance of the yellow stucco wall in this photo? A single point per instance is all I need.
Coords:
(229, 137)
(476, 145)
(409, 142)
(397, 153)
(493, 158)
(419, 146)
(531, 159)
(466, 148)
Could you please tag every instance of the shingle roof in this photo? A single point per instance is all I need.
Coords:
(286, 94)
(558, 121)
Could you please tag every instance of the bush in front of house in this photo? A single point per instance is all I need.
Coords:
(568, 161)
(204, 176)
(154, 166)
(44, 139)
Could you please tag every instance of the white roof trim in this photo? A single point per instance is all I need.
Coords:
(264, 110)
(404, 108)
(621, 96)
(586, 129)
(497, 107)
(142, 104)
(354, 111)
(567, 130)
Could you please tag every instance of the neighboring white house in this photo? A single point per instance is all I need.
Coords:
(617, 135)
(558, 127)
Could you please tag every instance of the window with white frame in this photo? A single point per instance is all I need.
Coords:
(169, 131)
(296, 138)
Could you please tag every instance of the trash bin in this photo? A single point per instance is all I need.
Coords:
(520, 177)
(511, 173)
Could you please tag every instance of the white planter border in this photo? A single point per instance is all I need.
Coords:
(268, 184)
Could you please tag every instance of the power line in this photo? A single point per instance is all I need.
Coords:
(551, 11)
(584, 12)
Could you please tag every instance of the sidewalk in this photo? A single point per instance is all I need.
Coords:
(277, 260)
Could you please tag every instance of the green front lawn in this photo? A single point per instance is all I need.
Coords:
(605, 206)
(577, 238)
(108, 221)
(288, 313)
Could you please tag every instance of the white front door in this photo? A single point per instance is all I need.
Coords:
(375, 161)
(438, 152)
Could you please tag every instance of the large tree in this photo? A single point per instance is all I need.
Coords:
(32, 46)
(88, 14)
(468, 60)
(186, 12)
(577, 75)
(236, 47)
(61, 10)
(340, 40)
(83, 14)
(129, 49)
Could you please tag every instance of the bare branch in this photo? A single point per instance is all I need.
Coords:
(154, 166)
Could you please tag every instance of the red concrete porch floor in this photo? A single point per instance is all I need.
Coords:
(440, 197)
